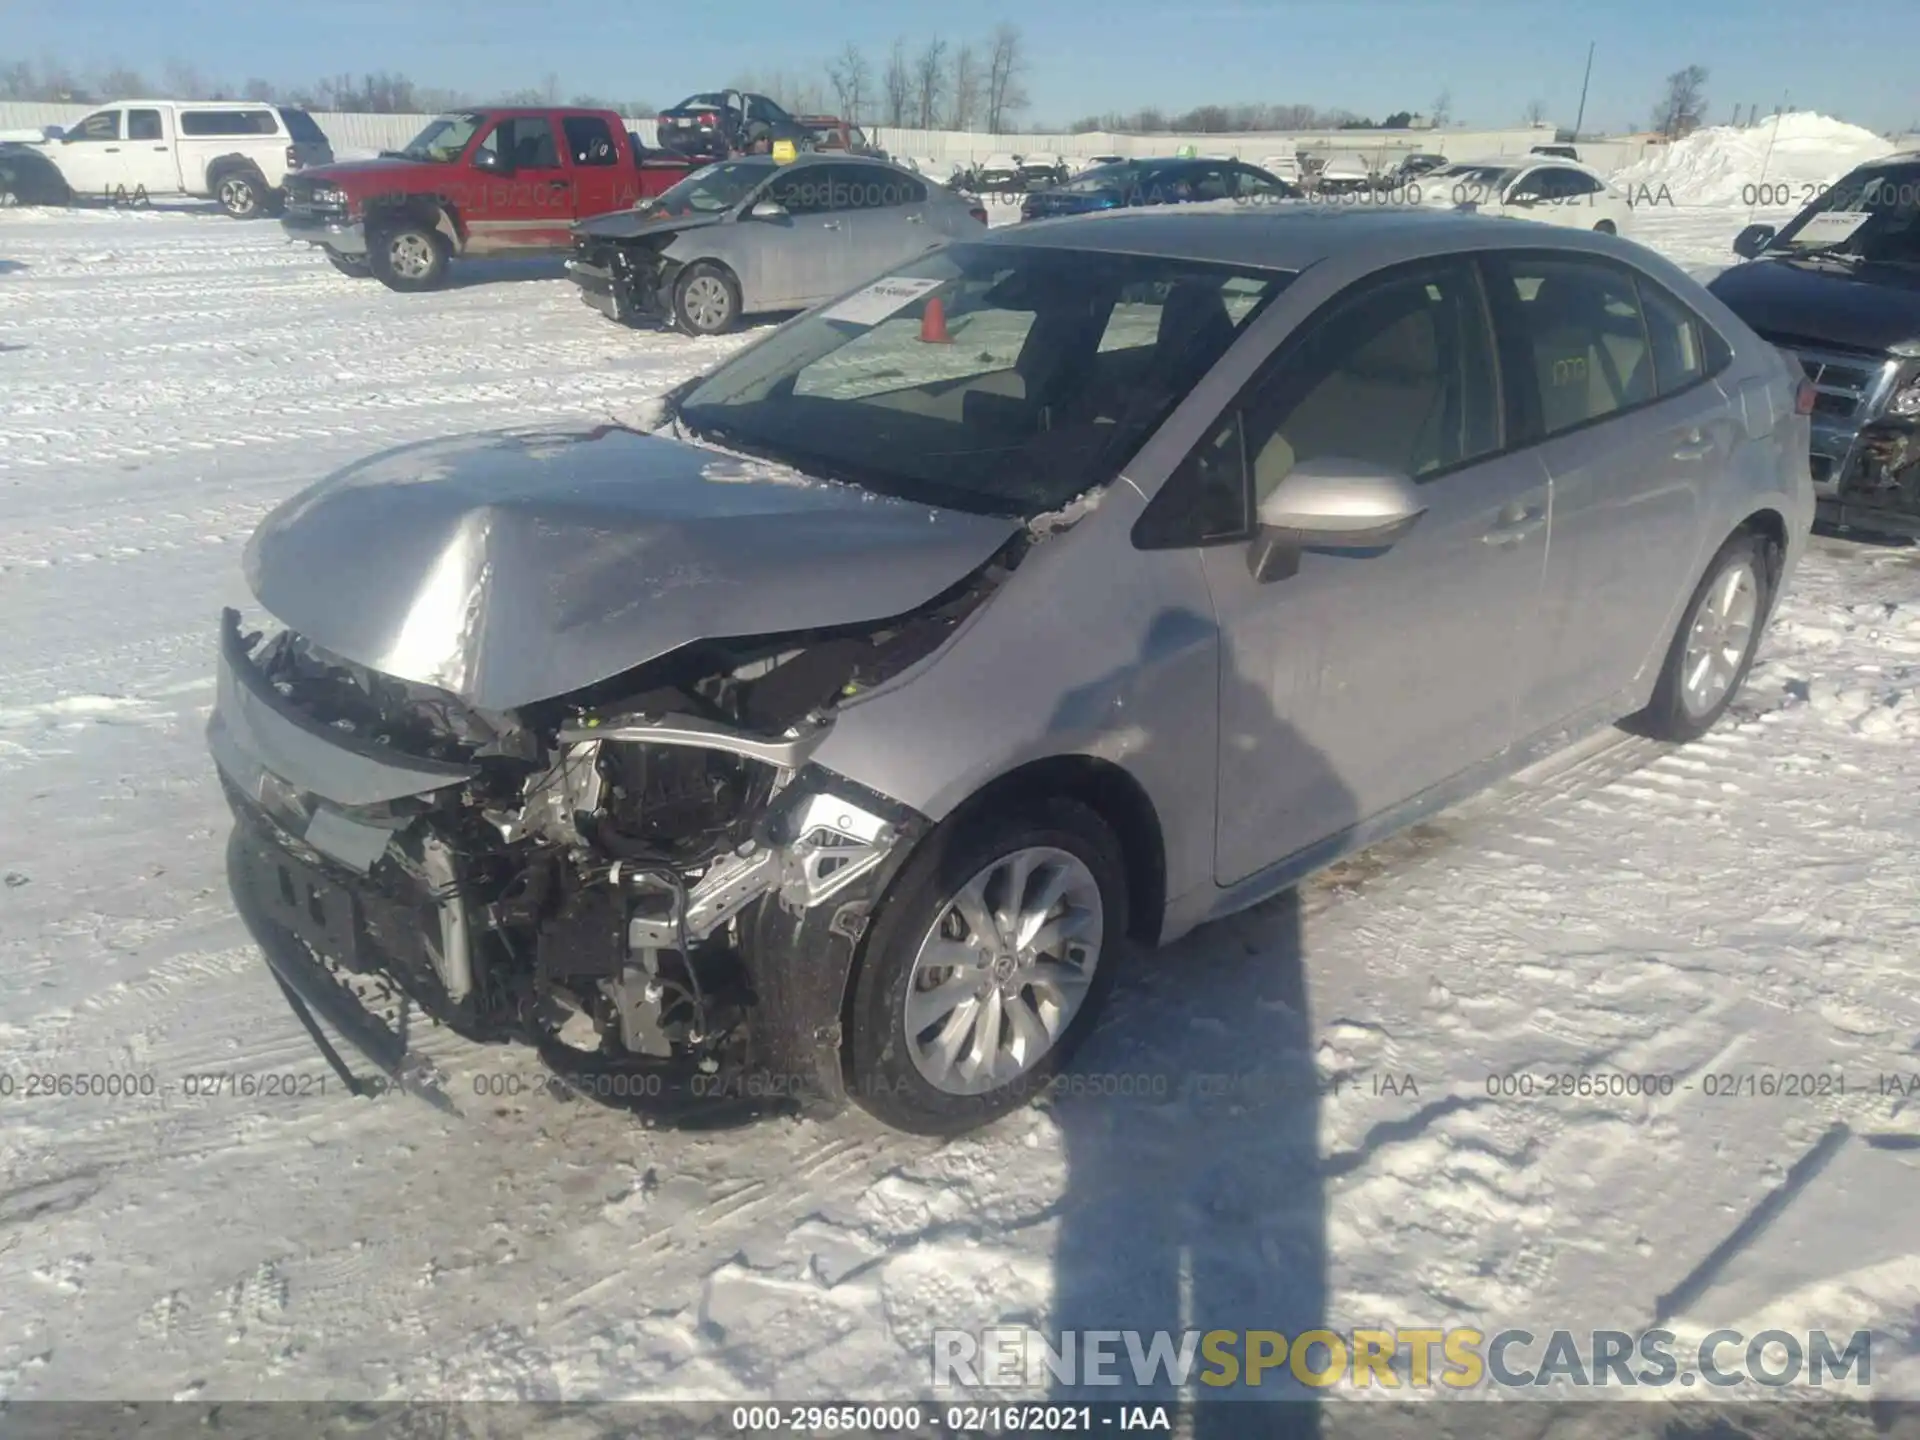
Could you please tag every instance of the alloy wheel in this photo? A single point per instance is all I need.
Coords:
(1003, 970)
(1717, 642)
(411, 255)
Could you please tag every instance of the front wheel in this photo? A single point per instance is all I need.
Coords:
(1714, 647)
(986, 966)
(412, 257)
(242, 194)
(706, 300)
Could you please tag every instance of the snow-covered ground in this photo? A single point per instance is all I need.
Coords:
(1743, 905)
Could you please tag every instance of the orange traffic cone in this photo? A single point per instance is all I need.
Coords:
(933, 323)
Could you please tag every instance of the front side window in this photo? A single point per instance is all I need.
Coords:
(446, 137)
(1579, 328)
(1029, 405)
(525, 141)
(101, 125)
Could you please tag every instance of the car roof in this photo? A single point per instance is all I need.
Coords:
(1288, 236)
(813, 157)
(195, 104)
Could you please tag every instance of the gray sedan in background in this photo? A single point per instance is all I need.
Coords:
(753, 235)
(841, 721)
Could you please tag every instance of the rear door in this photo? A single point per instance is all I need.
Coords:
(152, 160)
(888, 222)
(1629, 452)
(92, 155)
(600, 181)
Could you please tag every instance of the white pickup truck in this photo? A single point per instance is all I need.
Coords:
(237, 152)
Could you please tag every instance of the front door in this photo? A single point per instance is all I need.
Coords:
(528, 204)
(1399, 667)
(92, 157)
(1627, 464)
(798, 258)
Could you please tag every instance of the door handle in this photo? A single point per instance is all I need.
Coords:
(1515, 523)
(1696, 447)
(829, 224)
(160, 149)
(112, 150)
(916, 219)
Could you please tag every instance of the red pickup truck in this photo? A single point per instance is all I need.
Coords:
(491, 181)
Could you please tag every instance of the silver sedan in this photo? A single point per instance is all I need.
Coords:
(755, 235)
(1055, 592)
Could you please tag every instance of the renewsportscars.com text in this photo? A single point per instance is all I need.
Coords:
(1458, 1359)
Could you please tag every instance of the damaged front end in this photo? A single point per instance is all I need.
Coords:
(648, 880)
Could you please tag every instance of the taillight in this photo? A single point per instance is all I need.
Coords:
(293, 157)
(709, 119)
(1803, 397)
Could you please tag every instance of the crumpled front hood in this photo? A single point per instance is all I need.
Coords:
(519, 565)
(642, 221)
(1864, 307)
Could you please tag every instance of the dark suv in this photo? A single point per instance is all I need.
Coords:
(1839, 288)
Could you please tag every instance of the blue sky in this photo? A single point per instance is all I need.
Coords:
(1086, 56)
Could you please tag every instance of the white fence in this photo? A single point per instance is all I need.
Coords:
(356, 133)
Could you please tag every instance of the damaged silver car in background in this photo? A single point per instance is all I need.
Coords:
(832, 729)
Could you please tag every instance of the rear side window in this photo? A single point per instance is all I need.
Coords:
(228, 122)
(1686, 350)
(1579, 336)
(525, 141)
(302, 126)
(590, 140)
(144, 125)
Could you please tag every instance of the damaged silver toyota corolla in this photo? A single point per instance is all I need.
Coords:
(831, 729)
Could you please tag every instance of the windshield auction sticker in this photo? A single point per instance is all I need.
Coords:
(879, 300)
(1828, 229)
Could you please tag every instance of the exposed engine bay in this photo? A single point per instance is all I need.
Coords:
(585, 874)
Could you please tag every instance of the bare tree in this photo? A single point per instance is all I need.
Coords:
(1536, 112)
(898, 84)
(1441, 111)
(183, 82)
(1683, 108)
(852, 81)
(963, 89)
(930, 82)
(1006, 63)
(121, 82)
(255, 89)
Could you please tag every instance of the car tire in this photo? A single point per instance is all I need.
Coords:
(895, 1071)
(356, 267)
(1714, 646)
(1607, 227)
(409, 257)
(706, 300)
(242, 193)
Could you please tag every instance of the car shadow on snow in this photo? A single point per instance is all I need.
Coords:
(9, 267)
(1190, 1120)
(504, 269)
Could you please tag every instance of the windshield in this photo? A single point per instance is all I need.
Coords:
(1874, 213)
(1038, 375)
(710, 190)
(445, 137)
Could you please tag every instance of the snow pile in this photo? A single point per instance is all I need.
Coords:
(1798, 151)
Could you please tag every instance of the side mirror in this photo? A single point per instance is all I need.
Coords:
(1752, 240)
(1344, 506)
(768, 210)
(493, 162)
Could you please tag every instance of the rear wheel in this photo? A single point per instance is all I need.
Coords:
(409, 257)
(241, 193)
(1713, 649)
(986, 965)
(706, 300)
